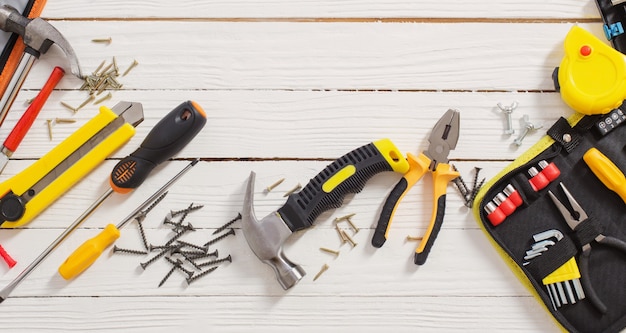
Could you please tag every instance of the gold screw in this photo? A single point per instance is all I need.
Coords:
(271, 187)
(108, 96)
(64, 121)
(349, 239)
(343, 239)
(293, 190)
(102, 40)
(336, 253)
(91, 98)
(135, 63)
(413, 238)
(49, 121)
(71, 108)
(324, 269)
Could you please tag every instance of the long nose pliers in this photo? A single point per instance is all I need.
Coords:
(443, 138)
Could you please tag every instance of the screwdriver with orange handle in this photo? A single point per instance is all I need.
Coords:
(170, 135)
(608, 173)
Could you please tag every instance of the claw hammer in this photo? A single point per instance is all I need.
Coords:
(38, 35)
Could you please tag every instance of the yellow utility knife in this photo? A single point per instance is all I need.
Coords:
(25, 195)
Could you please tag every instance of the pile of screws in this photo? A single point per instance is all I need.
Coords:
(183, 256)
(468, 194)
(344, 237)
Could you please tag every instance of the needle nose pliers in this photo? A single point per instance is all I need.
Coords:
(443, 138)
(586, 232)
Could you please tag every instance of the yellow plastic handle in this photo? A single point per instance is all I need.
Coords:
(88, 252)
(608, 173)
(23, 181)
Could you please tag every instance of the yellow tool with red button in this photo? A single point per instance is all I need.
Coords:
(592, 75)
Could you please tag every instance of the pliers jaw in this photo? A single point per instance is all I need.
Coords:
(572, 217)
(443, 138)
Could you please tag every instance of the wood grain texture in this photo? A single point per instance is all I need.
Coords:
(288, 86)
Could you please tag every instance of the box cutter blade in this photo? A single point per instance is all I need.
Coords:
(36, 187)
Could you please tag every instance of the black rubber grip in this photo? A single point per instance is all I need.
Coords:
(379, 238)
(170, 135)
(303, 208)
(420, 257)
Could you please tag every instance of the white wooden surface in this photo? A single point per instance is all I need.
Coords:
(288, 86)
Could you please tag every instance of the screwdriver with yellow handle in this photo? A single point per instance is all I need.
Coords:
(167, 137)
(608, 173)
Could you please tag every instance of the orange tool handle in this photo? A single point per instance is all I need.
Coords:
(7, 258)
(26, 121)
(441, 177)
(417, 168)
(88, 252)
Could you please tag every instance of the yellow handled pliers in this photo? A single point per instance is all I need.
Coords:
(443, 138)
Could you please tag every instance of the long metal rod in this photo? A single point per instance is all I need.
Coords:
(4, 293)
(24, 66)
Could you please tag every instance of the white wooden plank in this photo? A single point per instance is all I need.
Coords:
(304, 124)
(253, 314)
(314, 56)
(321, 9)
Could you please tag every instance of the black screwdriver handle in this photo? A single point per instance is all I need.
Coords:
(170, 135)
(347, 174)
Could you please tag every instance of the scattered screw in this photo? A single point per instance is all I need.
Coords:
(71, 108)
(201, 248)
(102, 40)
(169, 273)
(49, 121)
(216, 261)
(324, 269)
(156, 257)
(179, 265)
(197, 276)
(271, 187)
(413, 238)
(216, 239)
(528, 127)
(293, 190)
(470, 202)
(335, 252)
(142, 233)
(161, 247)
(99, 67)
(507, 112)
(222, 228)
(176, 236)
(349, 239)
(205, 255)
(87, 101)
(344, 218)
(102, 99)
(341, 234)
(118, 249)
(135, 63)
(64, 121)
(191, 261)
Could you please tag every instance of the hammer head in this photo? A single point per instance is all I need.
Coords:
(38, 35)
(266, 238)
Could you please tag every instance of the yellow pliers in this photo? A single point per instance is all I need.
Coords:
(443, 138)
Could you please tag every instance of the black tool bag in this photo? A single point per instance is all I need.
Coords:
(513, 228)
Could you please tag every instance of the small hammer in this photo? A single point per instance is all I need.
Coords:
(38, 35)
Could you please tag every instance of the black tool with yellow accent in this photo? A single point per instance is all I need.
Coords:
(347, 174)
(443, 138)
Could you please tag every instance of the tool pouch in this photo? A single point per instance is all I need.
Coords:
(12, 46)
(558, 158)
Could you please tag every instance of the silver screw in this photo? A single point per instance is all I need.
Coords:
(528, 127)
(507, 113)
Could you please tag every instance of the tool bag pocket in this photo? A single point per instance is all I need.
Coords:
(528, 230)
(11, 44)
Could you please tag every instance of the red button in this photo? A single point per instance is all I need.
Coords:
(585, 50)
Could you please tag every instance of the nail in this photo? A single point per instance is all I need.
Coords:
(71, 108)
(413, 238)
(49, 121)
(324, 269)
(87, 101)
